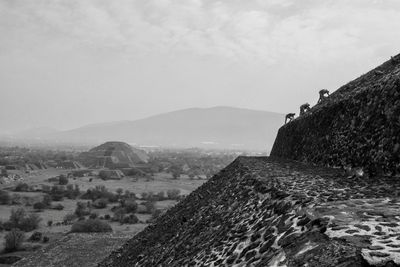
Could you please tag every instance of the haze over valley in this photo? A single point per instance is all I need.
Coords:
(211, 128)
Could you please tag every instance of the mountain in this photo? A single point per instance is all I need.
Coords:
(217, 127)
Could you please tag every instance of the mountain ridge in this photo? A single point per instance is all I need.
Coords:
(216, 127)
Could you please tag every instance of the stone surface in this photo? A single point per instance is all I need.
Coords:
(357, 126)
(273, 212)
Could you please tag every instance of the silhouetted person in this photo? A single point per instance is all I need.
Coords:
(290, 117)
(304, 108)
(322, 95)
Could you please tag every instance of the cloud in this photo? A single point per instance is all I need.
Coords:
(255, 29)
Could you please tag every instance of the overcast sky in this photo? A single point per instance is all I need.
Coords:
(65, 63)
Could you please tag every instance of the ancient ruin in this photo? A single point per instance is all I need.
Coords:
(280, 212)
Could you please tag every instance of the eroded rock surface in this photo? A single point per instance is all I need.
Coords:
(273, 212)
(357, 126)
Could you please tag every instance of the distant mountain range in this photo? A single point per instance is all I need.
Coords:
(217, 127)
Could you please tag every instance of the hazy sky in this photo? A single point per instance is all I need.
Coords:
(65, 63)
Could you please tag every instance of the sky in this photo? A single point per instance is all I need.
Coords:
(67, 63)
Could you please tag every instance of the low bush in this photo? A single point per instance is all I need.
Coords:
(130, 205)
(63, 180)
(13, 240)
(21, 187)
(173, 194)
(45, 239)
(93, 215)
(36, 237)
(91, 226)
(100, 203)
(82, 209)
(39, 206)
(131, 219)
(4, 197)
(150, 206)
(69, 218)
(100, 191)
(119, 214)
(47, 200)
(58, 207)
(16, 199)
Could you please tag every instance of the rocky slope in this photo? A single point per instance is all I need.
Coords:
(357, 126)
(273, 212)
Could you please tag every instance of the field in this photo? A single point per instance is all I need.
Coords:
(138, 185)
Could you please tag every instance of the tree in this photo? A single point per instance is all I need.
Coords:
(173, 194)
(47, 200)
(119, 214)
(39, 206)
(4, 197)
(22, 187)
(82, 209)
(130, 205)
(100, 203)
(63, 180)
(13, 240)
(119, 192)
(23, 221)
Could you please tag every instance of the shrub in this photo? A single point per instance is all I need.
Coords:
(47, 200)
(107, 217)
(21, 187)
(119, 191)
(16, 199)
(49, 223)
(19, 219)
(13, 240)
(39, 206)
(58, 207)
(130, 205)
(31, 222)
(141, 209)
(93, 215)
(36, 237)
(46, 188)
(100, 203)
(131, 219)
(46, 239)
(69, 218)
(119, 215)
(63, 180)
(173, 194)
(57, 197)
(4, 197)
(100, 191)
(160, 196)
(91, 226)
(82, 209)
(57, 192)
(150, 206)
